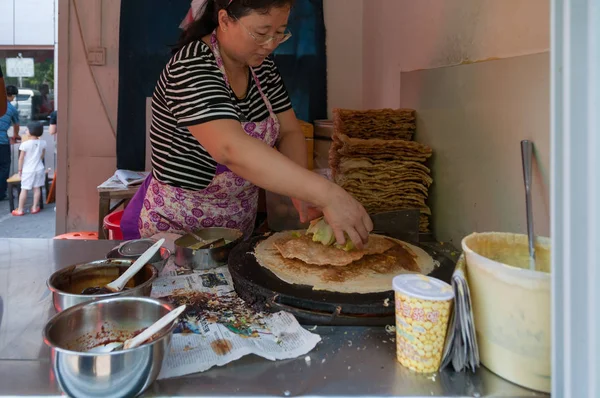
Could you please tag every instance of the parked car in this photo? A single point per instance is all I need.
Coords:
(26, 101)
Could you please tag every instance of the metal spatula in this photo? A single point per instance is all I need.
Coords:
(527, 155)
(399, 224)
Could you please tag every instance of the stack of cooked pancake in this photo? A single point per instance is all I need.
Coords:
(295, 258)
(373, 158)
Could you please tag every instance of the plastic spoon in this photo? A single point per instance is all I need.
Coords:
(526, 155)
(118, 284)
(142, 337)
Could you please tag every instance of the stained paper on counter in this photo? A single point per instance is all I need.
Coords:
(218, 327)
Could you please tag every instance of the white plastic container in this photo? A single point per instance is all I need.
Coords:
(511, 306)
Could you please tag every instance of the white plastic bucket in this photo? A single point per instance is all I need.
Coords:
(511, 306)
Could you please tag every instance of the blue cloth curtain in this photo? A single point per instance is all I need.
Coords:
(149, 28)
(302, 61)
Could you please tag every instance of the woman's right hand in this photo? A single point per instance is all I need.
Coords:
(346, 215)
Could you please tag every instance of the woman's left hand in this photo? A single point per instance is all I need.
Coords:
(306, 211)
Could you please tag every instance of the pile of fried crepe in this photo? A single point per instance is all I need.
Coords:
(302, 258)
(374, 158)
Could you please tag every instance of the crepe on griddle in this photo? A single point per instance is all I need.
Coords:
(303, 248)
(371, 274)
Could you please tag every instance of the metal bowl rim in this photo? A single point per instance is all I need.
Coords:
(227, 246)
(122, 261)
(163, 249)
(74, 308)
(134, 240)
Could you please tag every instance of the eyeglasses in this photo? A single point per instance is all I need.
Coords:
(263, 40)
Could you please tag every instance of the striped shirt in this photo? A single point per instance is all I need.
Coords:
(191, 90)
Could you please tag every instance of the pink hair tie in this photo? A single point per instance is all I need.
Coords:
(193, 12)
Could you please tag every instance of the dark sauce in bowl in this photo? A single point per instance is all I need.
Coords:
(93, 280)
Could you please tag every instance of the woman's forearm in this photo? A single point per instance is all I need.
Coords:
(293, 146)
(262, 165)
(278, 173)
(265, 167)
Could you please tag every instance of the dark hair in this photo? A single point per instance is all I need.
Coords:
(209, 13)
(11, 90)
(36, 129)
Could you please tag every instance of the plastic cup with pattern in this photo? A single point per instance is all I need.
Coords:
(423, 306)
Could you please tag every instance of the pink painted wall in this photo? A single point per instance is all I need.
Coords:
(477, 72)
(407, 35)
(344, 24)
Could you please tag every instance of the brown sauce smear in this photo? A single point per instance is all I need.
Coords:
(221, 346)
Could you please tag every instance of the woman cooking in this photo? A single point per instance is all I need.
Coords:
(219, 110)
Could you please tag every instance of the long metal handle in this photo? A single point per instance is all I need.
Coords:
(526, 156)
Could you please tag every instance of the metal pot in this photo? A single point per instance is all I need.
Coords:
(68, 283)
(203, 259)
(125, 373)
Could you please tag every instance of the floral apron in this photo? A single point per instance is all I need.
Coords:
(228, 201)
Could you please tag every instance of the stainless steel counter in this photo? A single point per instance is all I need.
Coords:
(348, 362)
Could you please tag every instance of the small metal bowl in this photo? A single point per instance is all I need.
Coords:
(68, 283)
(133, 249)
(203, 259)
(125, 373)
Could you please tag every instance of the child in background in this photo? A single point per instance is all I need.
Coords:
(31, 168)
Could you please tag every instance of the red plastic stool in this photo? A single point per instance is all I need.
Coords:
(112, 223)
(79, 236)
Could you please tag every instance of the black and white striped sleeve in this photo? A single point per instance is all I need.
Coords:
(196, 92)
(276, 91)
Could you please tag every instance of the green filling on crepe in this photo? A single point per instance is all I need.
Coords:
(323, 233)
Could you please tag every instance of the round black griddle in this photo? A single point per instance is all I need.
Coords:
(263, 290)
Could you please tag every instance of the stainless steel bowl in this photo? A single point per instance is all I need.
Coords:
(132, 249)
(203, 259)
(125, 373)
(68, 283)
(158, 260)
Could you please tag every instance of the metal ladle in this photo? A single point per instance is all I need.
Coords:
(526, 156)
